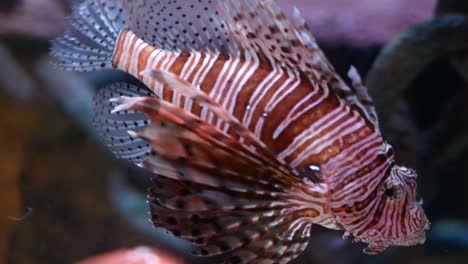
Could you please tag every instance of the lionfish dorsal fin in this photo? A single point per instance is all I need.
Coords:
(233, 27)
(262, 26)
(363, 99)
(359, 96)
(214, 189)
(254, 28)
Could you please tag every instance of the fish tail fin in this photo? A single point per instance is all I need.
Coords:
(90, 42)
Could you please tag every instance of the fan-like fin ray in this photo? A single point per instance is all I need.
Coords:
(214, 190)
(89, 43)
(185, 88)
(113, 127)
(262, 26)
(176, 133)
(180, 25)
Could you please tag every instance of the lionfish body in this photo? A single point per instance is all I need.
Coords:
(253, 134)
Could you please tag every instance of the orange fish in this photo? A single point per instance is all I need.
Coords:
(254, 135)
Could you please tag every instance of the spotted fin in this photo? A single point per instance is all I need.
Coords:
(180, 25)
(228, 26)
(257, 27)
(262, 26)
(113, 127)
(89, 43)
(244, 227)
(227, 195)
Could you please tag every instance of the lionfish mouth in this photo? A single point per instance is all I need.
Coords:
(418, 236)
(415, 238)
(378, 244)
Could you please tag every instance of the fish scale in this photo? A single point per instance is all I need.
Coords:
(252, 133)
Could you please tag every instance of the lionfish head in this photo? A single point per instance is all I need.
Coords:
(402, 220)
(393, 217)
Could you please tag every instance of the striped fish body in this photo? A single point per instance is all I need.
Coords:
(301, 122)
(253, 132)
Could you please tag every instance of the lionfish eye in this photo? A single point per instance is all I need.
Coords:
(312, 173)
(389, 192)
(392, 192)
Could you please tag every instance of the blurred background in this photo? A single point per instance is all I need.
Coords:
(65, 199)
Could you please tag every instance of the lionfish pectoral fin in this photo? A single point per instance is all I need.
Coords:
(113, 127)
(245, 226)
(174, 82)
(215, 190)
(179, 137)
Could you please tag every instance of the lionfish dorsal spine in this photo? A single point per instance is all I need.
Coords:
(256, 90)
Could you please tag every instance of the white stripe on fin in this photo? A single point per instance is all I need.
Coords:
(118, 129)
(171, 81)
(364, 100)
(261, 25)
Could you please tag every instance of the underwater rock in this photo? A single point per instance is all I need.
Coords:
(406, 56)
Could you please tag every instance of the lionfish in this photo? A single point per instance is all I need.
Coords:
(253, 135)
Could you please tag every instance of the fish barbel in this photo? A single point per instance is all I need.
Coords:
(252, 133)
